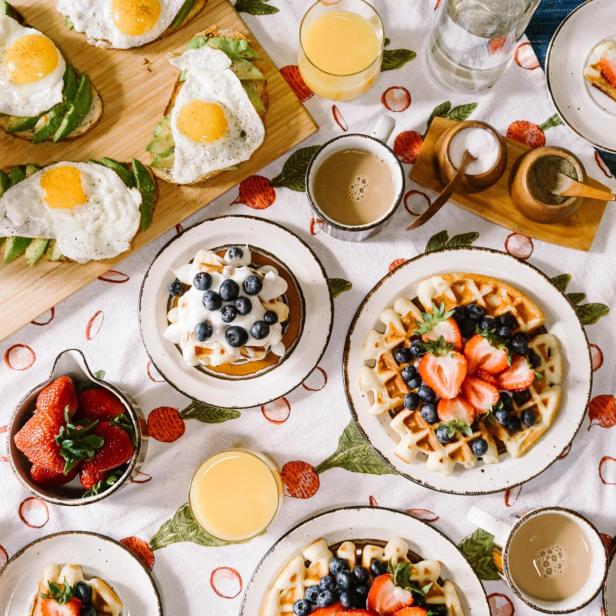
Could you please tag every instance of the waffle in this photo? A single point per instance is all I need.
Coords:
(307, 568)
(381, 380)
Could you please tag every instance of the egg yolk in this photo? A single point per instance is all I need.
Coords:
(30, 58)
(135, 17)
(202, 121)
(62, 187)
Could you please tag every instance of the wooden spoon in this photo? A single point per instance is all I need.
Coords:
(440, 201)
(568, 187)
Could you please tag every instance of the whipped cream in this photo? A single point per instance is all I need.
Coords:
(190, 311)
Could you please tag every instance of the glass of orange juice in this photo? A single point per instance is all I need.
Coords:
(341, 48)
(235, 494)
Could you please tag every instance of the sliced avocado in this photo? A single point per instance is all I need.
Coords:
(70, 84)
(164, 160)
(77, 110)
(254, 96)
(183, 13)
(5, 182)
(16, 175)
(48, 123)
(162, 139)
(4, 7)
(53, 252)
(147, 188)
(245, 70)
(14, 247)
(125, 175)
(30, 169)
(35, 250)
(162, 127)
(16, 124)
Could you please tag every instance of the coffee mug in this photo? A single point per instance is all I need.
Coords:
(559, 547)
(374, 145)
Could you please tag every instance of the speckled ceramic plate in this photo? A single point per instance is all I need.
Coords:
(560, 320)
(374, 523)
(286, 248)
(97, 554)
(586, 110)
(609, 590)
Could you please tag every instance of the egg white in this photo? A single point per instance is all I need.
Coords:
(95, 19)
(30, 99)
(208, 77)
(101, 228)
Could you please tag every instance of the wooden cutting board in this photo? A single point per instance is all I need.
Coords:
(495, 203)
(135, 85)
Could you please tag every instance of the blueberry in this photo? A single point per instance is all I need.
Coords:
(243, 305)
(442, 434)
(411, 401)
(459, 313)
(252, 285)
(88, 610)
(438, 609)
(504, 332)
(521, 397)
(359, 601)
(479, 446)
(235, 252)
(236, 336)
(327, 582)
(475, 312)
(467, 327)
(312, 592)
(426, 394)
(211, 300)
(378, 567)
(502, 415)
(203, 331)
(529, 418)
(402, 355)
(519, 344)
(346, 599)
(513, 424)
(176, 288)
(202, 281)
(260, 330)
(361, 575)
(229, 290)
(362, 591)
(417, 348)
(336, 565)
(505, 400)
(488, 323)
(302, 607)
(419, 601)
(429, 414)
(408, 372)
(325, 598)
(270, 317)
(415, 382)
(83, 592)
(345, 580)
(228, 313)
(534, 360)
(507, 320)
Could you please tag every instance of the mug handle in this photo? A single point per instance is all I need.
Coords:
(383, 128)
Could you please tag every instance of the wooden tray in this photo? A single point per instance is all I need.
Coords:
(135, 86)
(495, 203)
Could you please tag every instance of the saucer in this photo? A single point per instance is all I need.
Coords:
(211, 387)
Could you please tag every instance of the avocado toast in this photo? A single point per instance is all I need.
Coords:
(245, 65)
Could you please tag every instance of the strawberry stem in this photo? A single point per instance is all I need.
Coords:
(76, 442)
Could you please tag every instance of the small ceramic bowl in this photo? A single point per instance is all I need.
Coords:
(71, 363)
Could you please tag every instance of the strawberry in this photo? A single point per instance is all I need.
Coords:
(482, 396)
(485, 352)
(386, 598)
(412, 611)
(518, 376)
(36, 440)
(607, 66)
(90, 477)
(256, 192)
(48, 479)
(443, 369)
(485, 376)
(439, 323)
(99, 403)
(50, 607)
(337, 610)
(458, 408)
(58, 395)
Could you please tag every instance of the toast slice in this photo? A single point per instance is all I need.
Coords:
(256, 89)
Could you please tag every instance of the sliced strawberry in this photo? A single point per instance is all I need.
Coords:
(58, 395)
(458, 408)
(485, 376)
(443, 369)
(518, 376)
(99, 403)
(386, 598)
(50, 607)
(48, 479)
(482, 395)
(412, 611)
(438, 323)
(607, 66)
(482, 354)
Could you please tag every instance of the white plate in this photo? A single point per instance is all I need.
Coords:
(560, 320)
(609, 590)
(294, 368)
(586, 110)
(98, 555)
(374, 523)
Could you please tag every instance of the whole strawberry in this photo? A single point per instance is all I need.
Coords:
(48, 479)
(99, 403)
(56, 397)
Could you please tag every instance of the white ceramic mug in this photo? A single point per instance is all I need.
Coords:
(375, 142)
(504, 532)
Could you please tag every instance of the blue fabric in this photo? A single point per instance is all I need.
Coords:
(540, 30)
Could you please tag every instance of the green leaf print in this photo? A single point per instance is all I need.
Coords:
(437, 241)
(561, 282)
(552, 121)
(207, 413)
(588, 314)
(477, 549)
(338, 286)
(440, 111)
(255, 7)
(355, 454)
(575, 298)
(462, 112)
(441, 240)
(293, 175)
(396, 58)
(183, 527)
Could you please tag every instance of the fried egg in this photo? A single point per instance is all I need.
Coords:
(31, 70)
(120, 24)
(85, 207)
(213, 123)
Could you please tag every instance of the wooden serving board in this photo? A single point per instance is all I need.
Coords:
(135, 86)
(495, 204)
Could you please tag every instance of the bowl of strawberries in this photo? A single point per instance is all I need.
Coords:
(75, 438)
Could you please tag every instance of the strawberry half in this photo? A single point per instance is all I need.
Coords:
(58, 395)
(50, 607)
(482, 353)
(386, 598)
(337, 610)
(486, 376)
(518, 376)
(412, 611)
(437, 324)
(607, 66)
(99, 403)
(443, 369)
(48, 479)
(482, 395)
(457, 408)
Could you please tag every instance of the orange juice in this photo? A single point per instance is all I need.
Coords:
(234, 495)
(341, 48)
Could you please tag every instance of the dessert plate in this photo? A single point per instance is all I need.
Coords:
(609, 590)
(586, 110)
(284, 247)
(374, 523)
(560, 320)
(99, 556)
